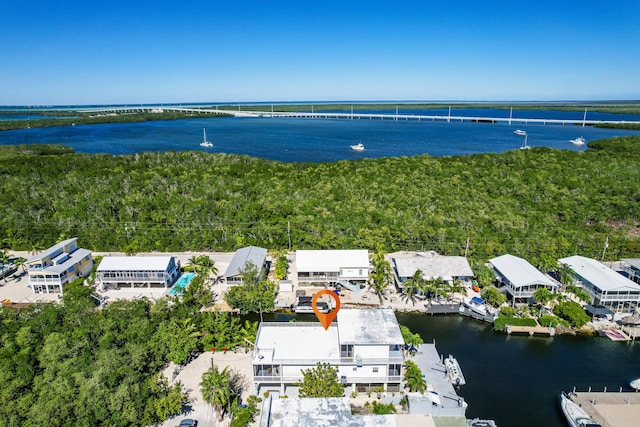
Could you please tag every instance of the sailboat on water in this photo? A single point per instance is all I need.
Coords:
(525, 146)
(204, 142)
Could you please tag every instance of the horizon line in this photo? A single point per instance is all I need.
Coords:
(340, 102)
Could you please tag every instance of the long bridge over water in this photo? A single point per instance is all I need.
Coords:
(352, 115)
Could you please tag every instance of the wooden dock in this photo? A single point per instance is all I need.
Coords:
(531, 330)
(611, 409)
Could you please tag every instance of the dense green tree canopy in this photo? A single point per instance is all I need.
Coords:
(320, 381)
(538, 204)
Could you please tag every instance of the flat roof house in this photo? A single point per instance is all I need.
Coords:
(251, 254)
(519, 278)
(329, 267)
(605, 286)
(320, 412)
(364, 344)
(432, 265)
(115, 272)
(50, 270)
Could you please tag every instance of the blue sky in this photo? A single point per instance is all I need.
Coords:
(107, 52)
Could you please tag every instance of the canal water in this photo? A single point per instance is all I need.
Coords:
(517, 380)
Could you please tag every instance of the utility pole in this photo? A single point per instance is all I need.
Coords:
(466, 249)
(289, 233)
(606, 245)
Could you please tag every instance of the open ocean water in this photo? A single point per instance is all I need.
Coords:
(314, 140)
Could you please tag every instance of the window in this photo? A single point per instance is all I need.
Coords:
(375, 369)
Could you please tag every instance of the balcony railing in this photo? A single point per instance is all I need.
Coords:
(348, 361)
(348, 380)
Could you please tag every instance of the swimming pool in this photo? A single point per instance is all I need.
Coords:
(181, 284)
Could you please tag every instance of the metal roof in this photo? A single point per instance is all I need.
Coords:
(519, 272)
(633, 262)
(599, 275)
(367, 326)
(50, 250)
(331, 260)
(134, 263)
(253, 254)
(431, 264)
(74, 258)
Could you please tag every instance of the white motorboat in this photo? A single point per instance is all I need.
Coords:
(577, 141)
(453, 371)
(520, 132)
(576, 416)
(358, 147)
(204, 142)
(477, 305)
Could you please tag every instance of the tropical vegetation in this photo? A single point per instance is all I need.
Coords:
(540, 204)
(413, 378)
(572, 312)
(222, 389)
(70, 364)
(73, 118)
(320, 381)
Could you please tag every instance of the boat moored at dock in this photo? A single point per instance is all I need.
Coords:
(453, 371)
(576, 416)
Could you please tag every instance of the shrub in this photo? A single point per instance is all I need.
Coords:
(572, 312)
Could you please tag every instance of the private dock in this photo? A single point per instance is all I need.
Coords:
(531, 330)
(611, 409)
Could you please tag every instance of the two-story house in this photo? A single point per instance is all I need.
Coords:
(50, 270)
(365, 345)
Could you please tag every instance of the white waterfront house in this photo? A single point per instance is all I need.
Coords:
(631, 266)
(115, 272)
(431, 264)
(364, 344)
(329, 267)
(519, 278)
(243, 256)
(605, 286)
(50, 270)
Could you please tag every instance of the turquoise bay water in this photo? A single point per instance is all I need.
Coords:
(310, 140)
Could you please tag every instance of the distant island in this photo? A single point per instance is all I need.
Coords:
(131, 114)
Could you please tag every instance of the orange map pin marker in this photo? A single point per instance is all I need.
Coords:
(325, 318)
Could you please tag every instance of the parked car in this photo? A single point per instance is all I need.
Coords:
(188, 422)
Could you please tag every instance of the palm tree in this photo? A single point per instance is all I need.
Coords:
(216, 390)
(413, 377)
(4, 261)
(381, 276)
(413, 285)
(248, 332)
(194, 263)
(207, 266)
(433, 286)
(456, 288)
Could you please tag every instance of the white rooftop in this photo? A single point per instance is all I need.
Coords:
(368, 326)
(299, 340)
(331, 260)
(633, 262)
(431, 264)
(519, 271)
(322, 412)
(599, 275)
(134, 263)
